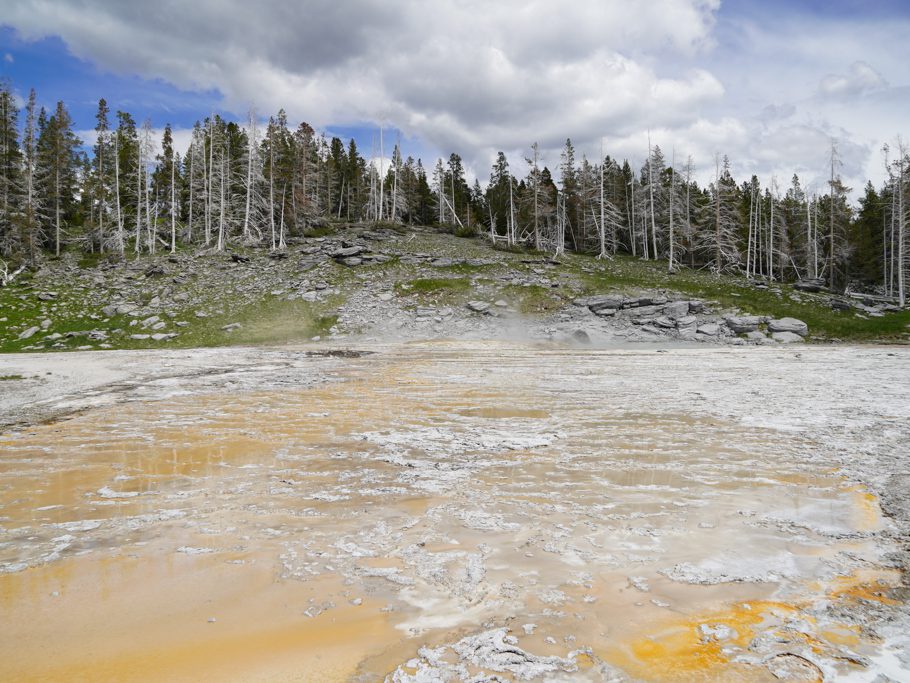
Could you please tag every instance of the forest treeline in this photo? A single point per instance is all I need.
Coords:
(260, 184)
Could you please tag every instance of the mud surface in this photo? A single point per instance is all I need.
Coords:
(460, 511)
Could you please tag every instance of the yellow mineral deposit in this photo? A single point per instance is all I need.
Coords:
(330, 532)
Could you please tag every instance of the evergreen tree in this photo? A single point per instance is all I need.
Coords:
(58, 160)
(10, 171)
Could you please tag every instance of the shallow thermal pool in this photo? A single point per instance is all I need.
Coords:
(436, 510)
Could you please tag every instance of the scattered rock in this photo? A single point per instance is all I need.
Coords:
(810, 285)
(231, 327)
(786, 337)
(348, 252)
(709, 329)
(478, 306)
(676, 309)
(581, 337)
(29, 333)
(743, 324)
(789, 325)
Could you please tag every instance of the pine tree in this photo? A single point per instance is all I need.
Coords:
(10, 171)
(58, 161)
(101, 169)
(32, 203)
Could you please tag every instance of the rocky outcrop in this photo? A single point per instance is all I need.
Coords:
(789, 325)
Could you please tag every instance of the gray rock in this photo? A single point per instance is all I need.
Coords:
(385, 296)
(150, 321)
(647, 300)
(109, 310)
(786, 337)
(789, 325)
(742, 324)
(755, 335)
(352, 261)
(231, 327)
(348, 252)
(687, 322)
(47, 296)
(709, 329)
(478, 306)
(161, 336)
(123, 309)
(139, 336)
(676, 309)
(501, 303)
(598, 303)
(581, 337)
(605, 312)
(646, 311)
(664, 322)
(201, 314)
(696, 306)
(29, 333)
(46, 323)
(811, 285)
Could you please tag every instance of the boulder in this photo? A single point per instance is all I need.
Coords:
(29, 333)
(840, 305)
(786, 337)
(687, 322)
(676, 309)
(709, 329)
(581, 337)
(348, 252)
(478, 306)
(756, 336)
(599, 303)
(647, 300)
(810, 285)
(789, 325)
(664, 322)
(46, 323)
(352, 261)
(742, 324)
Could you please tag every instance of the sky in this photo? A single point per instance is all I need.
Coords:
(769, 84)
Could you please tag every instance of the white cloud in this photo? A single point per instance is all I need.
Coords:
(8, 58)
(770, 90)
(860, 78)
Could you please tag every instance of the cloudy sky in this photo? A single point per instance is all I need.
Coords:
(768, 83)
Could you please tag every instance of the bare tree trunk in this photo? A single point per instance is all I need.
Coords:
(651, 192)
(382, 178)
(717, 252)
(749, 243)
(672, 202)
(138, 245)
(251, 145)
(901, 219)
(221, 203)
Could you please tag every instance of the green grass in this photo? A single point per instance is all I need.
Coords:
(532, 299)
(10, 378)
(429, 285)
